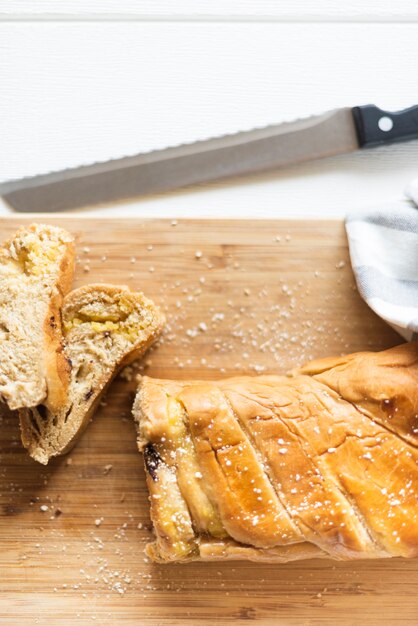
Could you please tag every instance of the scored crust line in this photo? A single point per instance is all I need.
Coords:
(342, 492)
(264, 465)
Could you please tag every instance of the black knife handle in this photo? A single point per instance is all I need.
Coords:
(375, 127)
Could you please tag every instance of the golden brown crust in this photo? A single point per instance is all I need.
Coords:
(296, 467)
(383, 385)
(57, 367)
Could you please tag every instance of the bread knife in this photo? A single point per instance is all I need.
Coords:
(336, 132)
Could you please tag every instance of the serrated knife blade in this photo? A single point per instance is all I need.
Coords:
(335, 132)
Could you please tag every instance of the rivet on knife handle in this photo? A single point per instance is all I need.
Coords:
(375, 126)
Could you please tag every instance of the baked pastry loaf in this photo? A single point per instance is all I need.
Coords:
(36, 271)
(105, 328)
(271, 468)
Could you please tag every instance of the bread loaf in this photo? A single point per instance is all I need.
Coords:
(323, 463)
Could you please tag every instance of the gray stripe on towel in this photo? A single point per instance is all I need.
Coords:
(404, 219)
(374, 284)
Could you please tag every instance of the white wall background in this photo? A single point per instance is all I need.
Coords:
(90, 80)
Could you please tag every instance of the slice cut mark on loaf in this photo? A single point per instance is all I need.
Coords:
(105, 328)
(36, 271)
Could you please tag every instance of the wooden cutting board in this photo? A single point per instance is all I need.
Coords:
(240, 296)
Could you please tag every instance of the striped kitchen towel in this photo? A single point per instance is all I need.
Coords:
(384, 257)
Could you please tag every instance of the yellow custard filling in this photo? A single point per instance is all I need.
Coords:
(40, 258)
(114, 320)
(36, 259)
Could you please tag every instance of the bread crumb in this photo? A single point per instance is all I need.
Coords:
(127, 373)
(107, 468)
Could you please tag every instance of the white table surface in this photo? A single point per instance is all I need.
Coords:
(88, 80)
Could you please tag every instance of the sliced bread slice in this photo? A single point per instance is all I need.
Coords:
(36, 271)
(105, 328)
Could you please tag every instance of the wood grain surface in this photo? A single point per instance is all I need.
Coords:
(240, 296)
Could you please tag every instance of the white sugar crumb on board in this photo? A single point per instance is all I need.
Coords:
(268, 326)
(128, 372)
